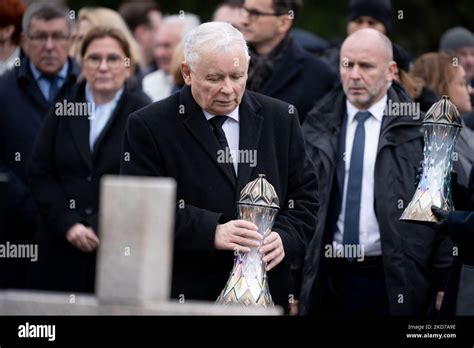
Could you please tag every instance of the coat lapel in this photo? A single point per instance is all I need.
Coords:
(80, 133)
(29, 84)
(109, 124)
(322, 129)
(249, 136)
(200, 129)
(389, 136)
(79, 127)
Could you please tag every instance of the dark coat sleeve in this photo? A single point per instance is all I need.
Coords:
(461, 227)
(18, 194)
(296, 222)
(47, 192)
(460, 224)
(195, 228)
(20, 204)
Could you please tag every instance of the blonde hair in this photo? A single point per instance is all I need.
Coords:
(413, 85)
(178, 58)
(436, 69)
(102, 16)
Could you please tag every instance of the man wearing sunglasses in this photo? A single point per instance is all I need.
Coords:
(279, 67)
(27, 92)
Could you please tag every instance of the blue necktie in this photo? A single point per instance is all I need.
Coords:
(53, 87)
(354, 184)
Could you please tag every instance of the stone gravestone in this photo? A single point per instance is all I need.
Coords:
(137, 218)
(134, 260)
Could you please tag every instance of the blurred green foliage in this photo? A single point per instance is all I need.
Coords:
(416, 24)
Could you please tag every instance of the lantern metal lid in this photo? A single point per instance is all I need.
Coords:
(260, 193)
(443, 112)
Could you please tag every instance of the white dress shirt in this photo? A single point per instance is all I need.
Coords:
(157, 85)
(231, 129)
(369, 231)
(43, 84)
(101, 115)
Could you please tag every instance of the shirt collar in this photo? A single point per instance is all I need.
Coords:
(233, 115)
(377, 110)
(90, 97)
(62, 74)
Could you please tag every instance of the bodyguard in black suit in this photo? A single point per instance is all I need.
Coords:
(75, 148)
(173, 138)
(364, 261)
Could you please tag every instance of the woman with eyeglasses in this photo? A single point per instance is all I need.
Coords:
(81, 141)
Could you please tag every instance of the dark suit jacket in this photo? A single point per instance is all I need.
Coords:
(22, 110)
(299, 79)
(65, 181)
(172, 138)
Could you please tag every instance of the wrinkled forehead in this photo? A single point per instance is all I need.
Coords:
(229, 58)
(365, 51)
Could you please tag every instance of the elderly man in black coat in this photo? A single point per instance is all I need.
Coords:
(363, 260)
(175, 138)
(27, 92)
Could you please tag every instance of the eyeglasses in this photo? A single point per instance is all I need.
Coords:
(42, 38)
(256, 14)
(113, 61)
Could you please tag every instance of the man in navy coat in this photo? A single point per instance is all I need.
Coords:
(27, 92)
(279, 67)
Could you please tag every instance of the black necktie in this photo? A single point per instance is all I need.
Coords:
(354, 184)
(216, 123)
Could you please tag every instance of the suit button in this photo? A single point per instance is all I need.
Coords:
(88, 211)
(89, 179)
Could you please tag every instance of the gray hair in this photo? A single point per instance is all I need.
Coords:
(187, 20)
(47, 12)
(222, 36)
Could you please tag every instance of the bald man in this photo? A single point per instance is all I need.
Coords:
(364, 261)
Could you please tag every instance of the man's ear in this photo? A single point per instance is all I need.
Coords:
(186, 72)
(392, 70)
(284, 24)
